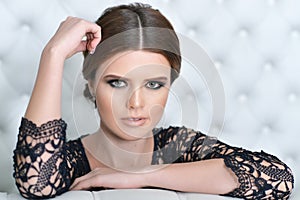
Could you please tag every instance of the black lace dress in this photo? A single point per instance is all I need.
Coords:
(45, 164)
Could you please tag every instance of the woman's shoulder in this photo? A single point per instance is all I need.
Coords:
(75, 147)
(76, 153)
(164, 135)
(172, 131)
(78, 141)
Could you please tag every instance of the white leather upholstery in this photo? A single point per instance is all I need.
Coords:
(131, 194)
(254, 44)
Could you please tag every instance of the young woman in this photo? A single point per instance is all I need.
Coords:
(128, 78)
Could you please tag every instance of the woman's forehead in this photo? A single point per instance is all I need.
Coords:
(136, 63)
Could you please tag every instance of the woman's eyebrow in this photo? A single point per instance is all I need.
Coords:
(160, 78)
(113, 76)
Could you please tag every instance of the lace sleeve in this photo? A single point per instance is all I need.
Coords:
(45, 165)
(260, 175)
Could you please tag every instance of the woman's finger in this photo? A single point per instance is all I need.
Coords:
(95, 173)
(86, 184)
(95, 37)
(68, 37)
(89, 37)
(81, 47)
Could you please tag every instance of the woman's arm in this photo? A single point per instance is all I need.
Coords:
(202, 164)
(209, 176)
(260, 175)
(44, 163)
(243, 174)
(45, 101)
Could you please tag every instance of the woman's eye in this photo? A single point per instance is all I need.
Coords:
(154, 85)
(117, 83)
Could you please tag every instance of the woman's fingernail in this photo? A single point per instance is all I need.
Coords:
(92, 52)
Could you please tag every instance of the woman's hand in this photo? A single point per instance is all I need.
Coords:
(109, 178)
(68, 39)
(45, 101)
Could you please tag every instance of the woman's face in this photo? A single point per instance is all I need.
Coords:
(131, 93)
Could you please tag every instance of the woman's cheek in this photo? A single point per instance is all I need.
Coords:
(157, 108)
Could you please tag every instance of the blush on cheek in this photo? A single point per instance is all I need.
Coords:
(155, 113)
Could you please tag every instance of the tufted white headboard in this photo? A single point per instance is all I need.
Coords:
(254, 44)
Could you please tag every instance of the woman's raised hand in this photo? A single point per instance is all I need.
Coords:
(68, 39)
(45, 101)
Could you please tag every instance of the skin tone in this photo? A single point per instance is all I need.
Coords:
(45, 101)
(139, 110)
(131, 91)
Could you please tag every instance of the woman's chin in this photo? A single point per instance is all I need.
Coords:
(137, 130)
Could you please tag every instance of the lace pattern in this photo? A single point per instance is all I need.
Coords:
(46, 165)
(260, 175)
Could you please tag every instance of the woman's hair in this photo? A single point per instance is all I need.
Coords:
(133, 27)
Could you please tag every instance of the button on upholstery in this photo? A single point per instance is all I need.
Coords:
(295, 33)
(292, 97)
(271, 2)
(242, 98)
(266, 129)
(243, 32)
(218, 64)
(192, 32)
(268, 66)
(25, 28)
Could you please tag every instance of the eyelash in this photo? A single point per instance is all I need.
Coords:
(113, 84)
(157, 83)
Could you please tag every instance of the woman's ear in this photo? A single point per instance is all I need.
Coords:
(92, 91)
(92, 88)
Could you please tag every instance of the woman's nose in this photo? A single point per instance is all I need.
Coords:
(136, 99)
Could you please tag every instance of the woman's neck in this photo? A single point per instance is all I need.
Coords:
(115, 152)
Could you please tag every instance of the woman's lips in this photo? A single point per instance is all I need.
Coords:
(134, 121)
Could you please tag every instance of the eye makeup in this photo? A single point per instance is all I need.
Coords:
(154, 83)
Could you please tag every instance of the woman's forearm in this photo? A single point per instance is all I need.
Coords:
(40, 149)
(45, 101)
(207, 176)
